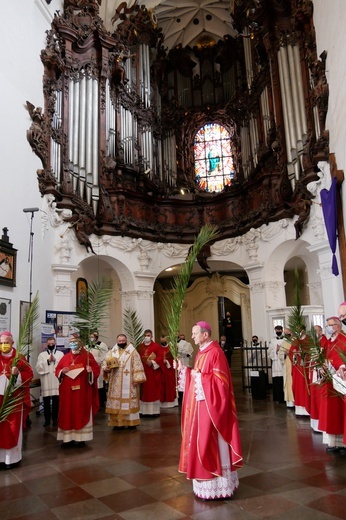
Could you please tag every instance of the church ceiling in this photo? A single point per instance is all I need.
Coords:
(183, 22)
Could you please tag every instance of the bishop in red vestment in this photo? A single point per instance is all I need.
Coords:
(77, 372)
(16, 371)
(211, 450)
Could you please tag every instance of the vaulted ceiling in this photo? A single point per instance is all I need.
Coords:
(185, 21)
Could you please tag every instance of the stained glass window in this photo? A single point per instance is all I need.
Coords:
(213, 156)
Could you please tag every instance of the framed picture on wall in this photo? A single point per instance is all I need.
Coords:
(5, 314)
(7, 268)
(23, 309)
(81, 291)
(8, 258)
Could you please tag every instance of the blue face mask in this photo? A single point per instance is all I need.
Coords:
(74, 346)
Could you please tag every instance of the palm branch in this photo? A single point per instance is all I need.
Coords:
(173, 302)
(296, 324)
(133, 327)
(91, 313)
(27, 327)
(296, 321)
(13, 396)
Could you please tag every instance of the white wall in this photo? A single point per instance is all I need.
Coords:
(22, 37)
(330, 23)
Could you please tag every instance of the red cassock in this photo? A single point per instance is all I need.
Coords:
(300, 374)
(168, 383)
(77, 397)
(332, 413)
(203, 420)
(9, 428)
(151, 389)
(316, 389)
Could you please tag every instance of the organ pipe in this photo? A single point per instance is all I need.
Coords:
(290, 167)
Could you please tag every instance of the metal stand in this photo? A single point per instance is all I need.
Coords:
(30, 260)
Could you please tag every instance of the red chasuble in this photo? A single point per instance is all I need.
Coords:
(151, 389)
(332, 417)
(203, 420)
(9, 428)
(168, 384)
(300, 374)
(77, 397)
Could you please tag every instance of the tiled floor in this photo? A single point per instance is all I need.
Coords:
(132, 475)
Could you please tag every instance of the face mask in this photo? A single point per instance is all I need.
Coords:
(5, 348)
(74, 346)
(343, 321)
(164, 344)
(147, 340)
(254, 342)
(279, 333)
(329, 330)
(223, 343)
(122, 345)
(92, 339)
(50, 347)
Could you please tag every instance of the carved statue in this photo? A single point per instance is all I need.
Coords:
(83, 222)
(302, 201)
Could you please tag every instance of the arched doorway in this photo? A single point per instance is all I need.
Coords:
(202, 303)
(226, 305)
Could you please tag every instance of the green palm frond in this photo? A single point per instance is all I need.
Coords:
(92, 312)
(13, 396)
(13, 400)
(27, 327)
(296, 321)
(133, 327)
(173, 302)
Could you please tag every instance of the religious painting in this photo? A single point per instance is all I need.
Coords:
(7, 268)
(81, 291)
(8, 257)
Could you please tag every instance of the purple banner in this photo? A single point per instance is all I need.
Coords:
(330, 214)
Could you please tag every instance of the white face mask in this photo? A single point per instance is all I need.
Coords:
(147, 340)
(329, 330)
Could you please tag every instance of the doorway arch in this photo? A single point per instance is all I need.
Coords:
(202, 303)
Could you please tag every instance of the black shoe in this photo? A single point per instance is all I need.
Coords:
(80, 444)
(117, 428)
(46, 424)
(67, 444)
(11, 466)
(332, 449)
(132, 427)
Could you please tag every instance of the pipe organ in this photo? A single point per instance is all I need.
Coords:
(121, 113)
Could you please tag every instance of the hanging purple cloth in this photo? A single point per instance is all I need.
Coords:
(330, 214)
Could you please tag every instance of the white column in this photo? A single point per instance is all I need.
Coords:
(64, 287)
(142, 299)
(257, 301)
(332, 291)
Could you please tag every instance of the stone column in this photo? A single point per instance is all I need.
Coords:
(63, 287)
(141, 299)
